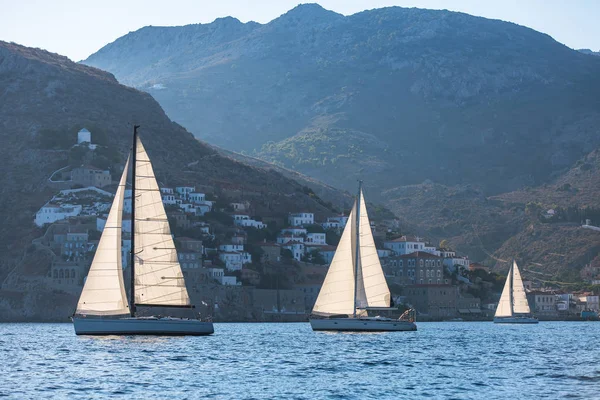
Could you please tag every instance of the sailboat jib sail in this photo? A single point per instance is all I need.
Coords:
(337, 293)
(158, 276)
(104, 290)
(520, 303)
(505, 305)
(375, 286)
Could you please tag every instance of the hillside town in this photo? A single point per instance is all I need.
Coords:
(267, 267)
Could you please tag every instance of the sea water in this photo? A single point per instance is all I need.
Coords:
(454, 360)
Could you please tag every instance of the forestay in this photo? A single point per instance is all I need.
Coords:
(104, 291)
(158, 276)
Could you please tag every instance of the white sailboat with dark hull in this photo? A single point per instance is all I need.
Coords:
(513, 307)
(156, 276)
(355, 284)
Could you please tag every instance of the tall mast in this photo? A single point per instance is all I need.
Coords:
(132, 254)
(510, 277)
(357, 252)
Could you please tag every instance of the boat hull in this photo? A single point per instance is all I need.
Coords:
(361, 325)
(515, 320)
(142, 326)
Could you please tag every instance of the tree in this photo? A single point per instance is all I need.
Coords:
(444, 244)
(287, 254)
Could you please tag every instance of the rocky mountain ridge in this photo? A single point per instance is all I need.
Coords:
(441, 95)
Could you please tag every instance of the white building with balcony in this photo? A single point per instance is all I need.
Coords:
(301, 219)
(316, 238)
(232, 260)
(405, 245)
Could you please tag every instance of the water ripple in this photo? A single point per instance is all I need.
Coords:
(266, 361)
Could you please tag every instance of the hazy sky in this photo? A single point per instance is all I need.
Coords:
(78, 28)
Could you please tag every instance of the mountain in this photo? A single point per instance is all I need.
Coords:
(590, 52)
(44, 100)
(393, 95)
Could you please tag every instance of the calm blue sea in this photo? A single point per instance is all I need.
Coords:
(457, 360)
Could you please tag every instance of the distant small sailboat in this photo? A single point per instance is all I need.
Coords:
(156, 276)
(355, 283)
(513, 307)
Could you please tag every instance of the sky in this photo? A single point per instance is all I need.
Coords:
(78, 28)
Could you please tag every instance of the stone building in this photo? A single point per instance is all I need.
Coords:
(88, 175)
(433, 301)
(419, 268)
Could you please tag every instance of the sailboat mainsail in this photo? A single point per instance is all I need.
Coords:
(375, 285)
(104, 290)
(158, 276)
(520, 303)
(513, 299)
(338, 294)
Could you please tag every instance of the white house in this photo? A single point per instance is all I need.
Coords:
(451, 263)
(51, 213)
(166, 190)
(301, 219)
(405, 245)
(447, 253)
(431, 250)
(84, 136)
(188, 208)
(232, 260)
(231, 247)
(297, 249)
(316, 238)
(228, 281)
(295, 231)
(245, 220)
(338, 222)
(168, 199)
(195, 197)
(214, 273)
(184, 191)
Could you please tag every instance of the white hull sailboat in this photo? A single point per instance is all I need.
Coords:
(355, 285)
(513, 307)
(156, 277)
(157, 326)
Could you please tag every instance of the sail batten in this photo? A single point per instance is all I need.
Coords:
(156, 256)
(104, 290)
